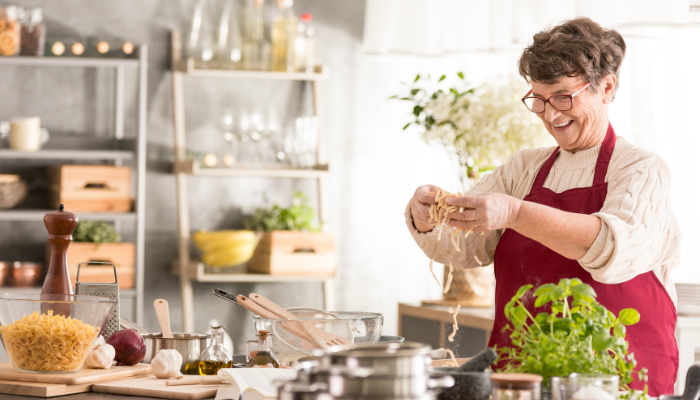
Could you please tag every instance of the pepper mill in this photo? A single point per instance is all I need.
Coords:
(60, 225)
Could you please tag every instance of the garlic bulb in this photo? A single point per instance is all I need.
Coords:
(101, 355)
(166, 364)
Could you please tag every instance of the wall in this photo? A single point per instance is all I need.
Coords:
(77, 102)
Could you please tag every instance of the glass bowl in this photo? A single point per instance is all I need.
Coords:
(356, 327)
(51, 333)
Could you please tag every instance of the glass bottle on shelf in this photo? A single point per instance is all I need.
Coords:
(33, 35)
(9, 31)
(284, 32)
(228, 40)
(256, 50)
(264, 354)
(215, 357)
(199, 44)
(305, 45)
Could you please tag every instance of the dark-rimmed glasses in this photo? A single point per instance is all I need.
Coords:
(561, 102)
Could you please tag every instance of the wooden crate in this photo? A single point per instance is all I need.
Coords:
(90, 188)
(122, 255)
(295, 253)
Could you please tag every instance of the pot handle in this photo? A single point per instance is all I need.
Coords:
(441, 382)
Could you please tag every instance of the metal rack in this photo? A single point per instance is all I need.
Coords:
(190, 270)
(114, 150)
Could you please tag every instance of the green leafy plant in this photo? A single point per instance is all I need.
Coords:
(480, 127)
(581, 336)
(96, 232)
(298, 217)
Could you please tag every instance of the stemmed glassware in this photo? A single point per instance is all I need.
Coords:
(256, 138)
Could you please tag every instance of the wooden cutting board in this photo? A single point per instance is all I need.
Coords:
(75, 378)
(154, 387)
(38, 389)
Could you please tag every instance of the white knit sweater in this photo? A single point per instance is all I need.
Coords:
(639, 232)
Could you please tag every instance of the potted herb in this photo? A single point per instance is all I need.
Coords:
(573, 333)
(290, 243)
(99, 241)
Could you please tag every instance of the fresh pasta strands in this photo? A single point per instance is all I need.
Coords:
(455, 328)
(449, 280)
(452, 357)
(477, 260)
(433, 272)
(438, 215)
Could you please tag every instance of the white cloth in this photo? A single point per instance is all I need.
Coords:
(639, 232)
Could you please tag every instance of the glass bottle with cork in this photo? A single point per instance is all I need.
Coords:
(215, 357)
(264, 355)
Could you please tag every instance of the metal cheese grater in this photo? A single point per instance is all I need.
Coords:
(110, 290)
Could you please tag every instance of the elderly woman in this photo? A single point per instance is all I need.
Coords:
(594, 207)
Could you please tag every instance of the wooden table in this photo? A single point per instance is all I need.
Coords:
(433, 325)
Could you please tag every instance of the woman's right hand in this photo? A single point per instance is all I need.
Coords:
(420, 207)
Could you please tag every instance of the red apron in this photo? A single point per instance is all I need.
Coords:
(520, 261)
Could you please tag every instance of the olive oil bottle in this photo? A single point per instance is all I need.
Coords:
(264, 355)
(214, 357)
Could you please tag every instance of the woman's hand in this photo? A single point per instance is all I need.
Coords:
(486, 212)
(420, 207)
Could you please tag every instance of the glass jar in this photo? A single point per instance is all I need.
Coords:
(516, 386)
(9, 31)
(264, 355)
(215, 357)
(33, 33)
(588, 386)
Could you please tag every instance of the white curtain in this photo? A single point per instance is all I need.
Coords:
(442, 27)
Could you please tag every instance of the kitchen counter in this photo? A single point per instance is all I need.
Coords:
(79, 396)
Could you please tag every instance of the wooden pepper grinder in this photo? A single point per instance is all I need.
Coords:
(60, 225)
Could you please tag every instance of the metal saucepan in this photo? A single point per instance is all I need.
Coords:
(343, 386)
(189, 345)
(385, 359)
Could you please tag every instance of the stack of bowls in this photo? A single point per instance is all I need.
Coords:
(378, 371)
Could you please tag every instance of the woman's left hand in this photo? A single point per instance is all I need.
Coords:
(486, 212)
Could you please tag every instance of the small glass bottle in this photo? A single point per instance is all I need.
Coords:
(215, 357)
(305, 45)
(516, 386)
(264, 355)
(256, 50)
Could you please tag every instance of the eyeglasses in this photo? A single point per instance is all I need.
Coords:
(561, 102)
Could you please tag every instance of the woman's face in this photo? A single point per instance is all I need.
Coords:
(585, 125)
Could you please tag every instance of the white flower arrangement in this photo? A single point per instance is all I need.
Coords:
(481, 127)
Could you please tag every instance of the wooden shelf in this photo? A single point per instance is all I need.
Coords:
(198, 273)
(38, 215)
(188, 67)
(49, 154)
(86, 62)
(191, 167)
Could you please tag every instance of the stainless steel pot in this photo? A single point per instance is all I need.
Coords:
(426, 396)
(394, 360)
(303, 391)
(343, 386)
(189, 345)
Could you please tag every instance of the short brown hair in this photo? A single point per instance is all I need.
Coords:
(576, 48)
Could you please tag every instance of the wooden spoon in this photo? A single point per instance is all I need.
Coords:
(163, 315)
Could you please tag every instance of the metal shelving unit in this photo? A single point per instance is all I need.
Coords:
(190, 270)
(116, 150)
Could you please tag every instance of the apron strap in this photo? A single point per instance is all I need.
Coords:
(544, 171)
(606, 150)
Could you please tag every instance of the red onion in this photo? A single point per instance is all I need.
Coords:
(129, 347)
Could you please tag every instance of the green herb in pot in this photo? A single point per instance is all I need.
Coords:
(577, 335)
(96, 232)
(298, 217)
